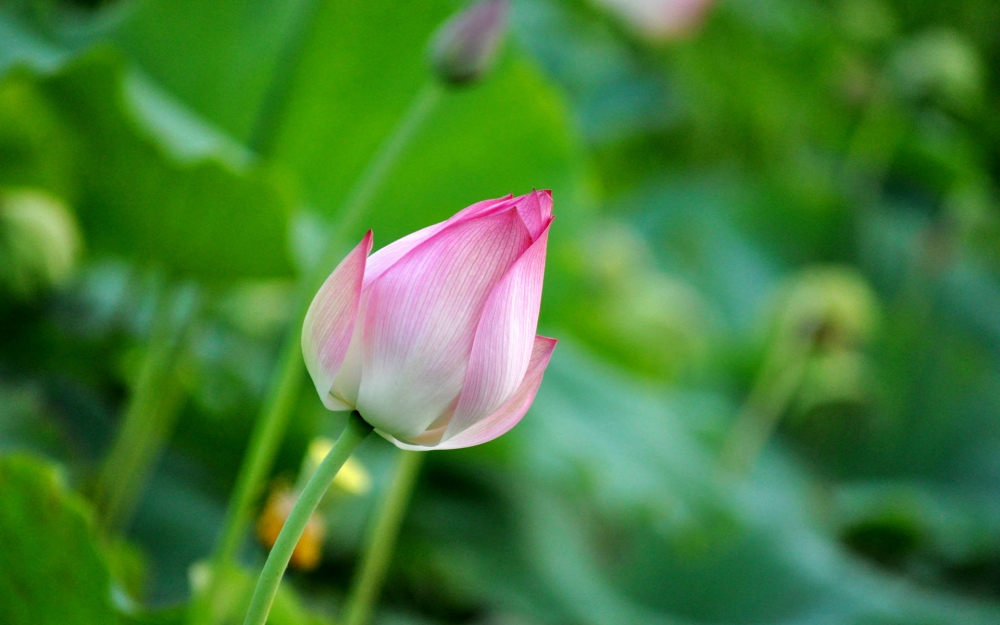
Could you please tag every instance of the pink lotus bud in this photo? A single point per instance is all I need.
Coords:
(464, 48)
(432, 338)
(661, 20)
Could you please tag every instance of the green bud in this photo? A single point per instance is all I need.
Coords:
(39, 242)
(834, 307)
(465, 47)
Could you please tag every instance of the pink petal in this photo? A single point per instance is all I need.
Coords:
(348, 380)
(329, 322)
(420, 319)
(504, 340)
(389, 255)
(481, 209)
(535, 210)
(345, 386)
(508, 415)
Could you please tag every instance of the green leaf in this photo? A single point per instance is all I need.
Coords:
(52, 570)
(609, 510)
(153, 182)
(339, 83)
(509, 134)
(221, 63)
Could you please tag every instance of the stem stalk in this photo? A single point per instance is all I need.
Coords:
(382, 540)
(355, 431)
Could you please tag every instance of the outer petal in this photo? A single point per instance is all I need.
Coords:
(481, 209)
(329, 322)
(389, 255)
(420, 320)
(504, 340)
(508, 415)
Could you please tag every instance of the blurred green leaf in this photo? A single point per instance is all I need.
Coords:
(509, 134)
(609, 511)
(320, 85)
(52, 570)
(221, 64)
(235, 593)
(167, 190)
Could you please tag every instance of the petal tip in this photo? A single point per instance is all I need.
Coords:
(547, 341)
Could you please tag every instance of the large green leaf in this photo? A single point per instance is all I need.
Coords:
(340, 81)
(52, 571)
(151, 181)
(223, 63)
(357, 76)
(609, 510)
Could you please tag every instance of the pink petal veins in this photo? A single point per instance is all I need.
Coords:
(389, 255)
(505, 417)
(421, 317)
(535, 210)
(504, 340)
(348, 380)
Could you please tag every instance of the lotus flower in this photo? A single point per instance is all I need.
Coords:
(432, 338)
(661, 20)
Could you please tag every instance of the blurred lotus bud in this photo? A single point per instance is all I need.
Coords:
(661, 20)
(832, 306)
(39, 241)
(942, 64)
(654, 322)
(309, 549)
(825, 319)
(352, 477)
(840, 377)
(465, 46)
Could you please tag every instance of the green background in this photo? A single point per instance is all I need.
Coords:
(804, 190)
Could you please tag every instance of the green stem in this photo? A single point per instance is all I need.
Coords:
(776, 387)
(277, 561)
(364, 190)
(382, 541)
(287, 379)
(149, 417)
(264, 441)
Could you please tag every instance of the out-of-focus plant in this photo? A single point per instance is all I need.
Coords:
(706, 172)
(352, 479)
(823, 322)
(40, 242)
(661, 20)
(465, 47)
(655, 322)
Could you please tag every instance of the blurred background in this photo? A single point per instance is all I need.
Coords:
(775, 275)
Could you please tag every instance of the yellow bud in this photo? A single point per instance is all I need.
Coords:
(309, 550)
(352, 478)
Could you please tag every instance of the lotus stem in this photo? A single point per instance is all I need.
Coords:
(354, 433)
